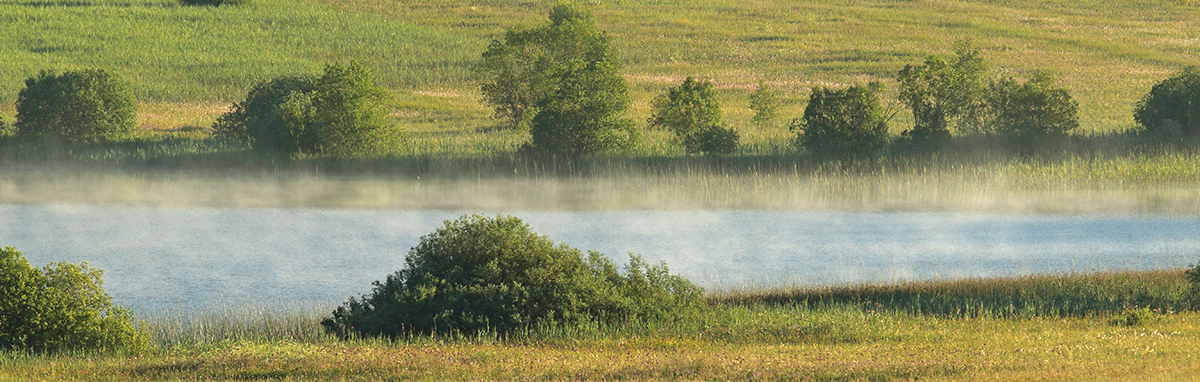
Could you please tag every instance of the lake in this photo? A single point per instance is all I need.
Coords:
(158, 258)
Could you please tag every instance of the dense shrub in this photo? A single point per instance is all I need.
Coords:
(584, 114)
(692, 111)
(479, 273)
(843, 123)
(1192, 274)
(60, 307)
(942, 94)
(525, 67)
(766, 104)
(1172, 107)
(214, 2)
(85, 106)
(341, 112)
(1034, 115)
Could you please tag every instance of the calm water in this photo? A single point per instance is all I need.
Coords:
(188, 258)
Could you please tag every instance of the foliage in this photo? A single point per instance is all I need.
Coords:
(84, 106)
(60, 307)
(942, 93)
(766, 104)
(583, 115)
(843, 123)
(1172, 106)
(259, 119)
(1133, 317)
(341, 112)
(693, 113)
(214, 2)
(1032, 115)
(526, 67)
(1192, 274)
(480, 273)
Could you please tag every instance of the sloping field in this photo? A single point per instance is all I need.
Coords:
(1107, 53)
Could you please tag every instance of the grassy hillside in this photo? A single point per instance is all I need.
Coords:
(188, 62)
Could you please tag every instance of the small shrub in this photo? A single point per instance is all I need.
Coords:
(766, 104)
(1173, 105)
(60, 307)
(845, 123)
(341, 112)
(693, 113)
(1193, 277)
(85, 106)
(1034, 115)
(213, 3)
(480, 273)
(1133, 317)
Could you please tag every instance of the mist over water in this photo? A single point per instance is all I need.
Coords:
(158, 258)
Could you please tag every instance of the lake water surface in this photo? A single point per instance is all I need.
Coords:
(189, 258)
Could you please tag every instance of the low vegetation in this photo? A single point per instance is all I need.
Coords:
(59, 308)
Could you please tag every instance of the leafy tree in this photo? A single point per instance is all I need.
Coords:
(582, 116)
(60, 307)
(84, 106)
(766, 105)
(580, 94)
(259, 117)
(341, 112)
(1034, 114)
(843, 123)
(479, 273)
(942, 93)
(524, 68)
(693, 113)
(1173, 105)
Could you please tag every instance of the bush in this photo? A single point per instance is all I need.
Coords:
(213, 3)
(766, 105)
(1193, 278)
(693, 113)
(480, 273)
(583, 115)
(845, 123)
(1173, 105)
(85, 106)
(942, 94)
(341, 112)
(1034, 115)
(60, 307)
(525, 68)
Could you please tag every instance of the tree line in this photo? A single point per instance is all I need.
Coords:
(561, 82)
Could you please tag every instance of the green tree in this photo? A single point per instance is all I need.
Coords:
(693, 112)
(1172, 106)
(766, 104)
(341, 112)
(843, 123)
(1033, 115)
(60, 307)
(84, 106)
(479, 273)
(583, 115)
(524, 67)
(941, 94)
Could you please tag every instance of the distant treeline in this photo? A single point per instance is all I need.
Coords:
(562, 83)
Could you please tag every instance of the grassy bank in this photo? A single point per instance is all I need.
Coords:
(749, 334)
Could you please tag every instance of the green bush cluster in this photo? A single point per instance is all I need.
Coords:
(1172, 107)
(340, 112)
(84, 106)
(493, 274)
(693, 113)
(561, 80)
(60, 307)
(843, 123)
